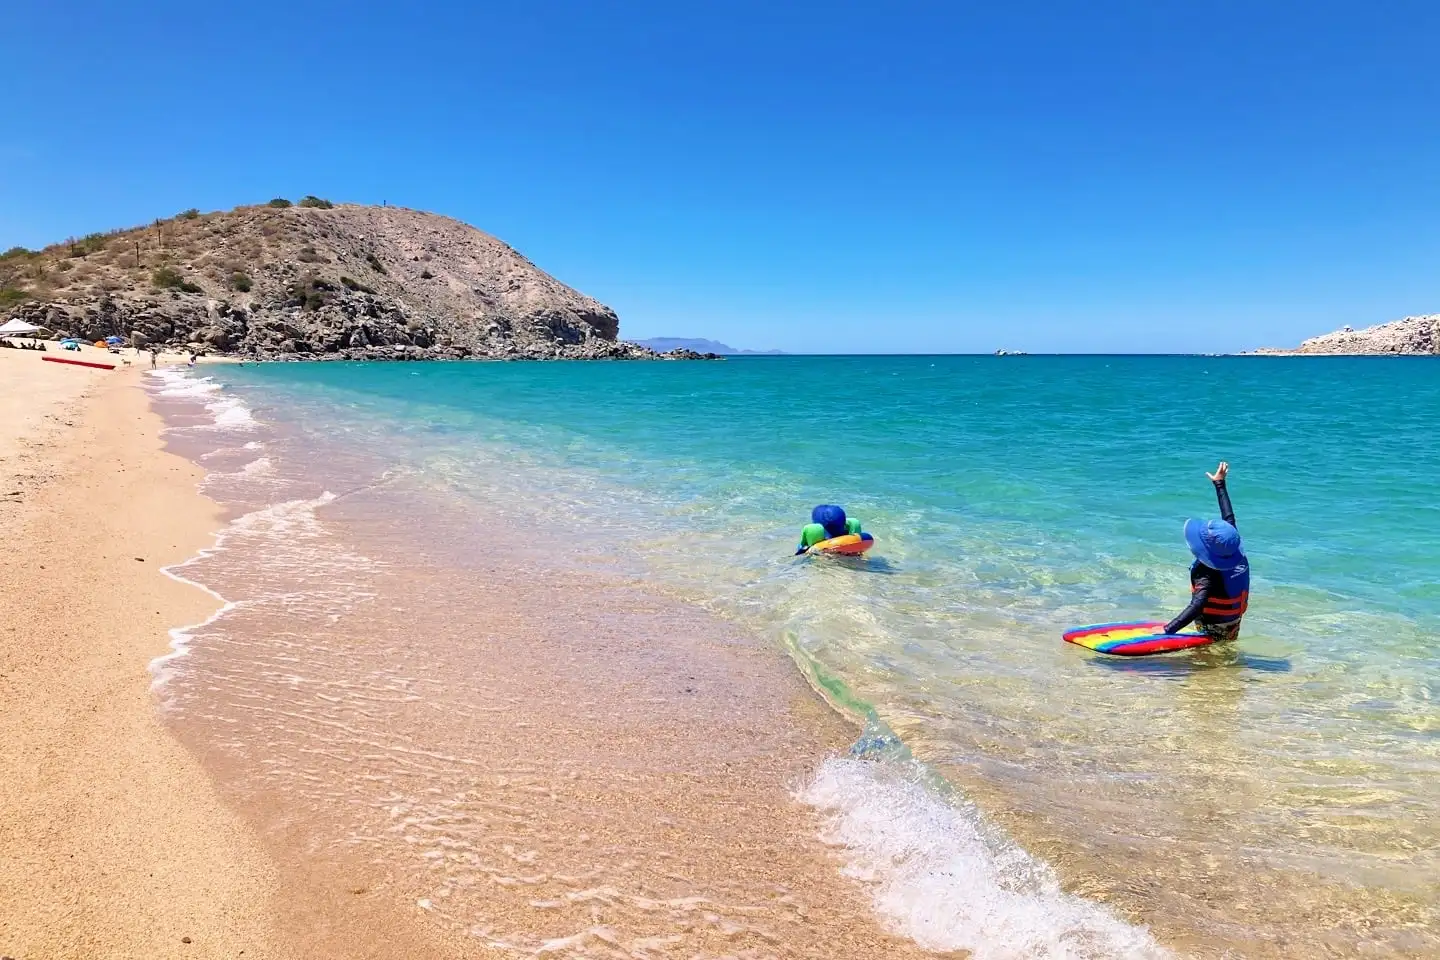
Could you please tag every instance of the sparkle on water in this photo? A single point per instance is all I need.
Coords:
(1275, 793)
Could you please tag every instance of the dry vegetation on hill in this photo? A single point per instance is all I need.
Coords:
(312, 278)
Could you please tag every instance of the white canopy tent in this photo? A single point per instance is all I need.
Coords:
(18, 328)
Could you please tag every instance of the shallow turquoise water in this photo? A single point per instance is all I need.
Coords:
(1012, 498)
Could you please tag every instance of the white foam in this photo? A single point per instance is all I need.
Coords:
(255, 476)
(283, 521)
(230, 451)
(162, 667)
(176, 383)
(229, 413)
(259, 467)
(944, 877)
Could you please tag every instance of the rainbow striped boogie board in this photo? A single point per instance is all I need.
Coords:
(1136, 639)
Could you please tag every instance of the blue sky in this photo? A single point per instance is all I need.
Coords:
(1146, 176)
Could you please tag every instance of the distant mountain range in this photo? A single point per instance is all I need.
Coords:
(666, 344)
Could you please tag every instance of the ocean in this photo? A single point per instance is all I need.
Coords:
(997, 790)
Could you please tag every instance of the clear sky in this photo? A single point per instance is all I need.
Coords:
(1047, 176)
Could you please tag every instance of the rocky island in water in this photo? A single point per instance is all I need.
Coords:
(1413, 336)
(312, 280)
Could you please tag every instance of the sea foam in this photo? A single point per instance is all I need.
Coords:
(944, 877)
(281, 524)
(229, 413)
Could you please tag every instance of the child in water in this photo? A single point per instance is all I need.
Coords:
(1220, 576)
(827, 521)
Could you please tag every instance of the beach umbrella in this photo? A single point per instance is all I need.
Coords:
(113, 340)
(18, 328)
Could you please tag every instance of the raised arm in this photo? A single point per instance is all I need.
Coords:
(1227, 512)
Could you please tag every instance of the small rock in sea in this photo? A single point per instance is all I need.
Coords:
(184, 939)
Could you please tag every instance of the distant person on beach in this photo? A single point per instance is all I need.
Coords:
(827, 522)
(192, 359)
(1220, 576)
(154, 358)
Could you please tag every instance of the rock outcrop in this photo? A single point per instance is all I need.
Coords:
(1411, 336)
(310, 281)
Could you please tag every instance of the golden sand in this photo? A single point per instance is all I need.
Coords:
(114, 842)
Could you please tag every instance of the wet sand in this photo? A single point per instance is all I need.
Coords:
(115, 843)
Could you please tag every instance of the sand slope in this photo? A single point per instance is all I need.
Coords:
(115, 845)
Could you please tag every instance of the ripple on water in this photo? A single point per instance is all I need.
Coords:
(1275, 800)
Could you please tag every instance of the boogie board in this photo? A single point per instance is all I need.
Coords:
(1137, 639)
(850, 543)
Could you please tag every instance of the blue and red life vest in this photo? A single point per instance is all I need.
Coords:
(1231, 607)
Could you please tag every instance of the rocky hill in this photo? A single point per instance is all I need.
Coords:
(310, 280)
(1413, 335)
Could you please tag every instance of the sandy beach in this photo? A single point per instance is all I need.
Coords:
(128, 836)
(115, 843)
(429, 725)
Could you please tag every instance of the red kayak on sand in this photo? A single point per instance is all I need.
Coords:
(81, 363)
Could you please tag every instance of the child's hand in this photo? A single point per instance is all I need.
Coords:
(1220, 472)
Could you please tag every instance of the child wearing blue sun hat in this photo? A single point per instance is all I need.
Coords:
(827, 521)
(1220, 576)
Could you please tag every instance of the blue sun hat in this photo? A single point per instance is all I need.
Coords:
(831, 517)
(1215, 543)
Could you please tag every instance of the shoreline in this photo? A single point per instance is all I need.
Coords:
(651, 803)
(127, 835)
(633, 704)
(121, 843)
(116, 842)
(1201, 867)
